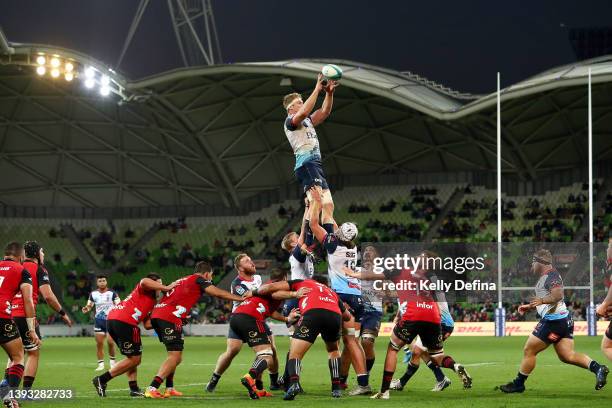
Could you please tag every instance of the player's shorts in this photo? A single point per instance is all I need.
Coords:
(169, 333)
(22, 326)
(100, 326)
(552, 331)
(231, 334)
(126, 336)
(609, 331)
(311, 174)
(430, 334)
(8, 331)
(354, 304)
(319, 321)
(370, 322)
(251, 331)
(446, 331)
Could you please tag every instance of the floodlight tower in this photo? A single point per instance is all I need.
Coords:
(194, 25)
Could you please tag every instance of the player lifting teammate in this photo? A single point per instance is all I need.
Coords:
(605, 309)
(322, 313)
(342, 252)
(167, 320)
(14, 278)
(248, 322)
(555, 327)
(123, 320)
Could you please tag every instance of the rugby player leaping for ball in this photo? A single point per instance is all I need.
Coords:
(300, 130)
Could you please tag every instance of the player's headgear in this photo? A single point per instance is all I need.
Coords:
(543, 256)
(347, 232)
(32, 250)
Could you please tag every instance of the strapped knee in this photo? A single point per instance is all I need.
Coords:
(348, 332)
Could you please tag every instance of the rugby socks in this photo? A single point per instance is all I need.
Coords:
(343, 379)
(370, 364)
(157, 381)
(294, 366)
(274, 379)
(448, 362)
(15, 372)
(100, 362)
(520, 379)
(436, 370)
(28, 381)
(258, 367)
(133, 386)
(334, 372)
(412, 368)
(215, 378)
(594, 366)
(104, 378)
(170, 380)
(363, 379)
(286, 372)
(386, 381)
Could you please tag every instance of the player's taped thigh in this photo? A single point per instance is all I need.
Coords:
(394, 346)
(350, 331)
(367, 336)
(264, 353)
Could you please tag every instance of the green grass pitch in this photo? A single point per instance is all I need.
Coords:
(70, 363)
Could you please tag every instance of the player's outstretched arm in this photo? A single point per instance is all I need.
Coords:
(51, 299)
(270, 288)
(222, 294)
(293, 294)
(150, 284)
(309, 104)
(320, 115)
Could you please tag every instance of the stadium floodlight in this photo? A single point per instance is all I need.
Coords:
(41, 70)
(69, 67)
(104, 90)
(68, 76)
(90, 73)
(55, 62)
(55, 72)
(105, 80)
(90, 83)
(41, 60)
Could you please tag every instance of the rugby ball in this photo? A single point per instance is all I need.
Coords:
(332, 72)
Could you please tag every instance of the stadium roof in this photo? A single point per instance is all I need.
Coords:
(213, 135)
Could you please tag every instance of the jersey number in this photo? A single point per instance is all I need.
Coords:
(261, 308)
(137, 314)
(1, 280)
(179, 311)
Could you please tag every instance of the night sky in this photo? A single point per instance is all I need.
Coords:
(461, 44)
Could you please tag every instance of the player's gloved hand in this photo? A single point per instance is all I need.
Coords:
(294, 316)
(301, 292)
(67, 320)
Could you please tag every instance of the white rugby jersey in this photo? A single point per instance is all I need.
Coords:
(339, 256)
(241, 286)
(303, 140)
(104, 301)
(301, 265)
